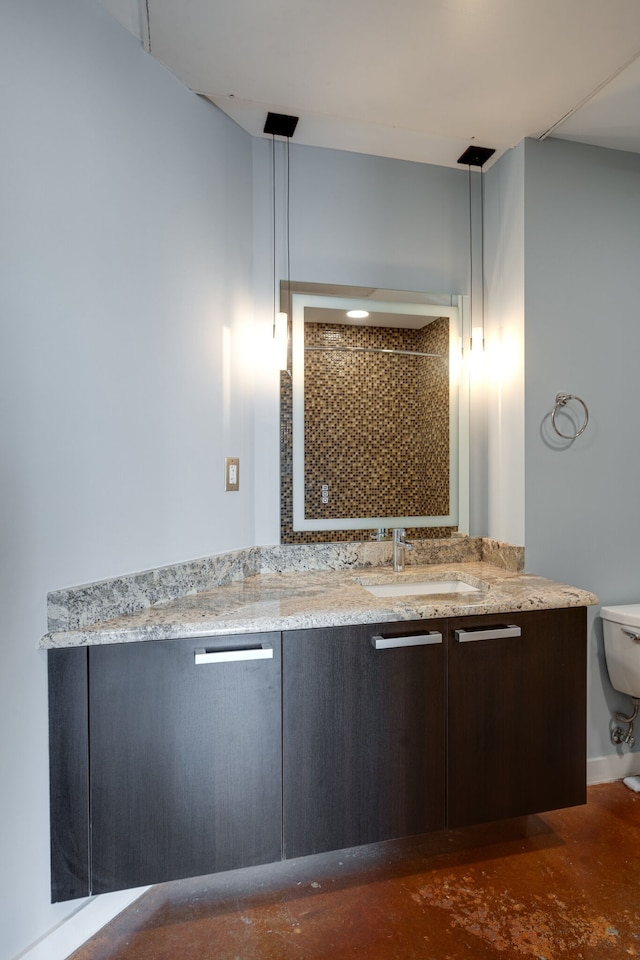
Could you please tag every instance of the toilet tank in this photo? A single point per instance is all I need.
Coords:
(621, 627)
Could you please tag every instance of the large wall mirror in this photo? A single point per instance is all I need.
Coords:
(375, 417)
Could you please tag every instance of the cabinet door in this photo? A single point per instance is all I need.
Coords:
(185, 759)
(364, 756)
(69, 773)
(516, 715)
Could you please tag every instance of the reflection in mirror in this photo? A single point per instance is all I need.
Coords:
(375, 418)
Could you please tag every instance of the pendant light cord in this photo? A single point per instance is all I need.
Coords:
(288, 229)
(482, 293)
(470, 261)
(482, 251)
(273, 217)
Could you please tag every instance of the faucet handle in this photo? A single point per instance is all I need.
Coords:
(399, 534)
(379, 534)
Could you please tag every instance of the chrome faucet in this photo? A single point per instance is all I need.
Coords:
(399, 547)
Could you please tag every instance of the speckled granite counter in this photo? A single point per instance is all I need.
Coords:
(280, 588)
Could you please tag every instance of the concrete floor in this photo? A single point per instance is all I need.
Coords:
(559, 885)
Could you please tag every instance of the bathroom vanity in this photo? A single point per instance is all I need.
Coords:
(178, 749)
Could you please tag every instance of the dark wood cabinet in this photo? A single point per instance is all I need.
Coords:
(179, 769)
(69, 773)
(178, 758)
(185, 747)
(516, 715)
(364, 734)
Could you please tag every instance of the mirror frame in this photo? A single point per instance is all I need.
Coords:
(457, 311)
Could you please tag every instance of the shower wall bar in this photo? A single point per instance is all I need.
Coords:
(406, 353)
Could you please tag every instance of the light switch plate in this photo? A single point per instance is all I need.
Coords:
(232, 473)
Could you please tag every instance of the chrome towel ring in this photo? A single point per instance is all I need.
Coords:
(561, 400)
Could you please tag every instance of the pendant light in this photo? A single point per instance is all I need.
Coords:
(281, 125)
(476, 157)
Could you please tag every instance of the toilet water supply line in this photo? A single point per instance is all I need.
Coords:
(618, 736)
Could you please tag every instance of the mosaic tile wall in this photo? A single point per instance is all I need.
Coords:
(366, 434)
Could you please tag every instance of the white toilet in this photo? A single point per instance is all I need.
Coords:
(622, 647)
(622, 651)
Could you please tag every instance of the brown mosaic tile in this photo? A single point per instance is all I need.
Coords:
(369, 448)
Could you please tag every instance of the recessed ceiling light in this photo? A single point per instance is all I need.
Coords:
(357, 314)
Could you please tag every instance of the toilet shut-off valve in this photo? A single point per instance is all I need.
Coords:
(618, 735)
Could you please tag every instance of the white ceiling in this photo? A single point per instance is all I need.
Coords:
(412, 79)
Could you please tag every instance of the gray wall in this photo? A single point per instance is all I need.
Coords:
(582, 517)
(361, 220)
(370, 220)
(126, 305)
(504, 354)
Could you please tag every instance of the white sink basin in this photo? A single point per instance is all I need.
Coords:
(421, 588)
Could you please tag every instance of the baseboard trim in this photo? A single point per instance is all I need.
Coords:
(77, 928)
(615, 766)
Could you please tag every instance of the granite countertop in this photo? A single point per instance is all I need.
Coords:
(305, 598)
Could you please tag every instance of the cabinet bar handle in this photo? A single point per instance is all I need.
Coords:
(493, 633)
(263, 652)
(417, 640)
